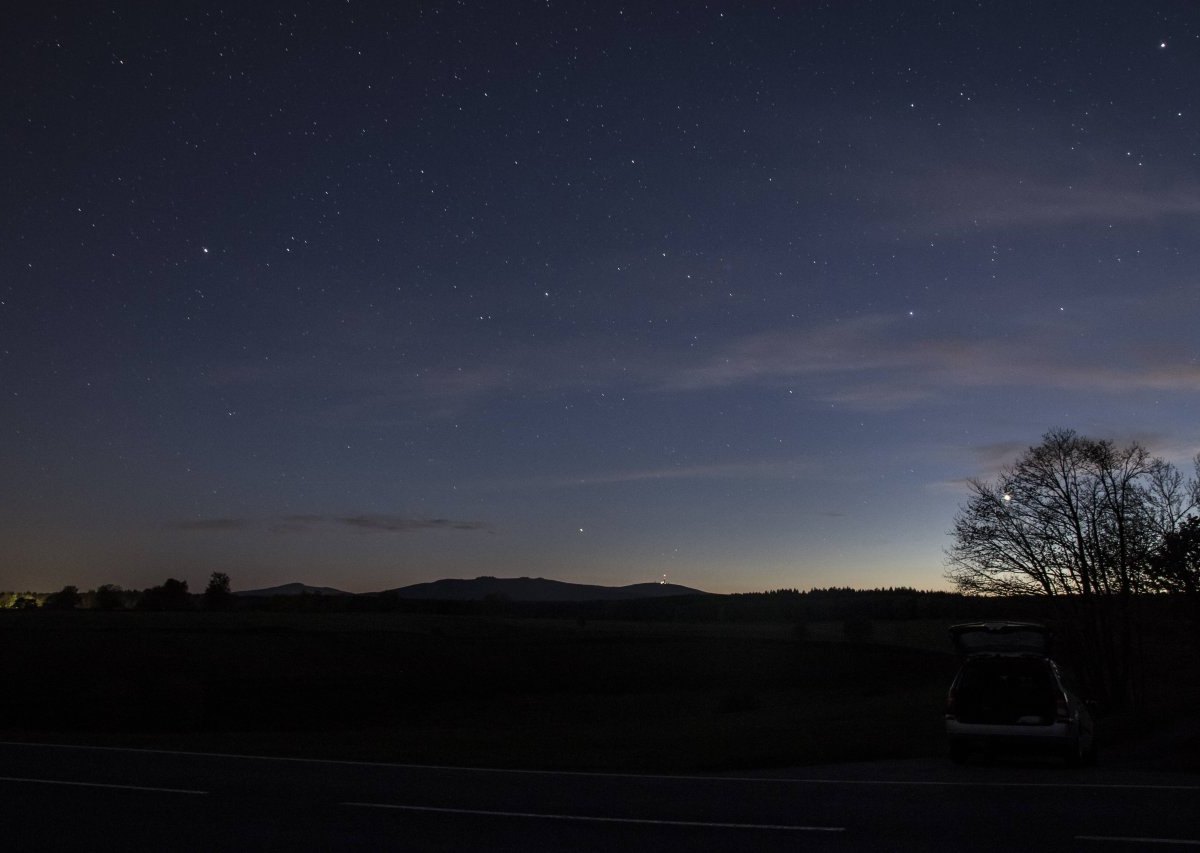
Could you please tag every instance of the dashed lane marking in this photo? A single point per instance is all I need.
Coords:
(1127, 839)
(76, 784)
(597, 819)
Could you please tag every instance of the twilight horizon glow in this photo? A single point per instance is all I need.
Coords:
(368, 294)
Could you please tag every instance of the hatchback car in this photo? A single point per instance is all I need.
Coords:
(1009, 696)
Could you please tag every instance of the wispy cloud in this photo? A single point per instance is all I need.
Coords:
(1010, 176)
(872, 362)
(295, 523)
(377, 522)
(395, 523)
(211, 524)
(969, 196)
(765, 468)
(302, 519)
(1051, 204)
(992, 458)
(887, 363)
(829, 349)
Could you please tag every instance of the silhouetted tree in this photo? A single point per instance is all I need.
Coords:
(68, 598)
(1175, 565)
(108, 597)
(172, 595)
(217, 595)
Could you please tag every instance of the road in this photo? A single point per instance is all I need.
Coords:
(86, 798)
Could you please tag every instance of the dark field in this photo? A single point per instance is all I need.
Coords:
(429, 689)
(477, 691)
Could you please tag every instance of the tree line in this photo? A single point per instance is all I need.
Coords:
(172, 594)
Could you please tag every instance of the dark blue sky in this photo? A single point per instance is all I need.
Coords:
(364, 294)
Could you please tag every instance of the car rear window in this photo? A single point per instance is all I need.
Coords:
(977, 641)
(1010, 676)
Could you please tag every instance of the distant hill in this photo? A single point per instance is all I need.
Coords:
(536, 589)
(292, 589)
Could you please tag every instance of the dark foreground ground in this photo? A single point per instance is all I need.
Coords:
(472, 691)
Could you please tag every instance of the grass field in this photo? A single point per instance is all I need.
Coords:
(600, 695)
(545, 694)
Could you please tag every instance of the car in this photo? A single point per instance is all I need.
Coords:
(1009, 696)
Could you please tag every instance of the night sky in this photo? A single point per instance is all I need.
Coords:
(363, 294)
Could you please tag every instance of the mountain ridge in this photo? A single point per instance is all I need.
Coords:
(486, 586)
(291, 589)
(535, 589)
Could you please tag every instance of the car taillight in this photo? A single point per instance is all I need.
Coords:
(1062, 711)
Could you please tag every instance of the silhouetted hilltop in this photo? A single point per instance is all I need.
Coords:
(292, 589)
(535, 589)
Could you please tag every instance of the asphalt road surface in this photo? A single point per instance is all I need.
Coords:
(84, 798)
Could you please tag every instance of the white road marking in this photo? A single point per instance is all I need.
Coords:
(595, 819)
(774, 780)
(916, 783)
(99, 785)
(1131, 840)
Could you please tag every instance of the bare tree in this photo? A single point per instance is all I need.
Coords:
(1077, 519)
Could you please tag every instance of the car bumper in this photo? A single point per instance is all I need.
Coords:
(1061, 738)
(1054, 731)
